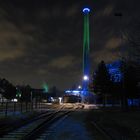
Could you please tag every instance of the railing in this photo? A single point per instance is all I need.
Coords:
(10, 108)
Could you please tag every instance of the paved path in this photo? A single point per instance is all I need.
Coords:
(72, 127)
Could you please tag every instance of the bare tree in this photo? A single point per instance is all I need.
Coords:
(132, 36)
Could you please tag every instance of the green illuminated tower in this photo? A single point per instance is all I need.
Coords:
(86, 12)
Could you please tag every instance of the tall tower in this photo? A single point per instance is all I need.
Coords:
(86, 66)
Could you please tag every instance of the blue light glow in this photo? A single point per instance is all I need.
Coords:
(86, 10)
(115, 71)
(74, 92)
(85, 78)
(67, 91)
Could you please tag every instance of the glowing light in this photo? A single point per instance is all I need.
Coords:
(86, 10)
(72, 91)
(45, 86)
(85, 78)
(60, 100)
(14, 100)
(79, 87)
(52, 99)
(76, 91)
(18, 94)
(67, 91)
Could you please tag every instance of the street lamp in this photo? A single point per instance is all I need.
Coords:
(79, 87)
(85, 78)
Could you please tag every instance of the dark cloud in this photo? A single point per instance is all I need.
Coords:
(41, 41)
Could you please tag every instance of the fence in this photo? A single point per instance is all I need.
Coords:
(9, 108)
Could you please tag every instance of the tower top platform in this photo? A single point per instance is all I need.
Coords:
(86, 10)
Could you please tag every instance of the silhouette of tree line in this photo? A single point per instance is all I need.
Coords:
(25, 92)
(103, 86)
(7, 89)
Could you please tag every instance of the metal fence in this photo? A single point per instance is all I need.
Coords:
(10, 108)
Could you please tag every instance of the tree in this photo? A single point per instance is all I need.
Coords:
(101, 81)
(24, 93)
(130, 79)
(8, 90)
(132, 37)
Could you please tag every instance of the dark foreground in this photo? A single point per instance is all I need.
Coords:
(114, 124)
(84, 124)
(72, 127)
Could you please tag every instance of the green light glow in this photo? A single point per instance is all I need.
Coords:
(86, 65)
(18, 94)
(86, 45)
(45, 87)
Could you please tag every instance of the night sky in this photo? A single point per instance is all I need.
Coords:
(41, 40)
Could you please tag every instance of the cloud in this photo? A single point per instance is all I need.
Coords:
(113, 43)
(11, 54)
(12, 41)
(42, 72)
(62, 62)
(107, 56)
(107, 11)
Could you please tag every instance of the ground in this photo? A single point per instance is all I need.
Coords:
(81, 123)
(71, 127)
(118, 124)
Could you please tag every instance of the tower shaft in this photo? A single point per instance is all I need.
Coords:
(86, 65)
